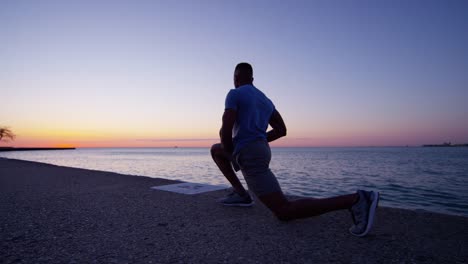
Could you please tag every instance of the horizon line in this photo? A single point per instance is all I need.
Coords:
(342, 146)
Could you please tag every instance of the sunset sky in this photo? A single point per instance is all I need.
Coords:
(156, 73)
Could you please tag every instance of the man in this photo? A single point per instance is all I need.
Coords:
(248, 112)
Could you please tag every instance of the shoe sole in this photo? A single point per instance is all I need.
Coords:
(371, 217)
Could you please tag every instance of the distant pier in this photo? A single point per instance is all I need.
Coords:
(29, 149)
(445, 145)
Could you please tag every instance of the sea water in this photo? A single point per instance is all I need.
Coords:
(432, 179)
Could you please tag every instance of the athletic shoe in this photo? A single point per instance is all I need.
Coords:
(363, 213)
(234, 199)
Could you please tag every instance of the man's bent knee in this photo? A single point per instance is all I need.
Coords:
(218, 153)
(278, 204)
(283, 213)
(215, 149)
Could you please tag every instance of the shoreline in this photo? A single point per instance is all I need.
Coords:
(54, 214)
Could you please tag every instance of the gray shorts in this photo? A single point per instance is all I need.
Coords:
(254, 161)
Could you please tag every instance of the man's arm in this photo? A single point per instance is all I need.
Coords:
(229, 118)
(279, 128)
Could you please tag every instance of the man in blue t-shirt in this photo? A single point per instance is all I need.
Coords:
(244, 146)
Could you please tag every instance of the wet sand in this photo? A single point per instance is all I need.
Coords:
(52, 214)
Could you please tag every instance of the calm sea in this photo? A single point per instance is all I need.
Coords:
(432, 179)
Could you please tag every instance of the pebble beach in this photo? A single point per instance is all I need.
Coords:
(54, 214)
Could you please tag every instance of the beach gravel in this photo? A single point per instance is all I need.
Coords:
(53, 214)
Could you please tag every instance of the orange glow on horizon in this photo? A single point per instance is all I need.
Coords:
(104, 139)
(206, 143)
(62, 145)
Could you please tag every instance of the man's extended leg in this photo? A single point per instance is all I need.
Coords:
(255, 167)
(288, 210)
(221, 159)
(362, 206)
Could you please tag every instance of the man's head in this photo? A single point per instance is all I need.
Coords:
(243, 74)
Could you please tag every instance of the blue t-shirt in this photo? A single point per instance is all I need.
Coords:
(254, 110)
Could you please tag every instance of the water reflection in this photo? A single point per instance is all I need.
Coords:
(433, 179)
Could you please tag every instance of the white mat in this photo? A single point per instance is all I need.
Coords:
(189, 188)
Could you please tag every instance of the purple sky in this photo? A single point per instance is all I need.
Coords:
(96, 73)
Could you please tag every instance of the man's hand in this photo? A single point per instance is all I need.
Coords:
(229, 118)
(279, 128)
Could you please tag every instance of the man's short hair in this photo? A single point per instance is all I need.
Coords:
(245, 69)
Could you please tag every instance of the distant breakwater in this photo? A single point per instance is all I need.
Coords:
(445, 145)
(29, 149)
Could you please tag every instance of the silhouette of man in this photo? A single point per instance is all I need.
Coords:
(244, 146)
